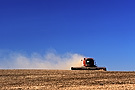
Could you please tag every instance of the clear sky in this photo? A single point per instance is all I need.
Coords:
(103, 29)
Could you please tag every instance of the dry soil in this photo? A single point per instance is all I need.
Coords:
(66, 80)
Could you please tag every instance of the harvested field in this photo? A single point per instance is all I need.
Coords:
(66, 80)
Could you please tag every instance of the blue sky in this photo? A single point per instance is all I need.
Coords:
(103, 29)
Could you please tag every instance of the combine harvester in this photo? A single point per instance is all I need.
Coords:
(88, 64)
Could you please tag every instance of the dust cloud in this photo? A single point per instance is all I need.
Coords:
(50, 60)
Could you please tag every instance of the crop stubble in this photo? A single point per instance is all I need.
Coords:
(66, 79)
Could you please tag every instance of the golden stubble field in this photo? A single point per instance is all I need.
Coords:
(66, 80)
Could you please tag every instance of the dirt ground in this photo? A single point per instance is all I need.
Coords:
(66, 80)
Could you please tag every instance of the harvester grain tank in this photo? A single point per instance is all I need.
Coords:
(88, 64)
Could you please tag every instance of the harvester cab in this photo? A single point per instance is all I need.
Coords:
(88, 64)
